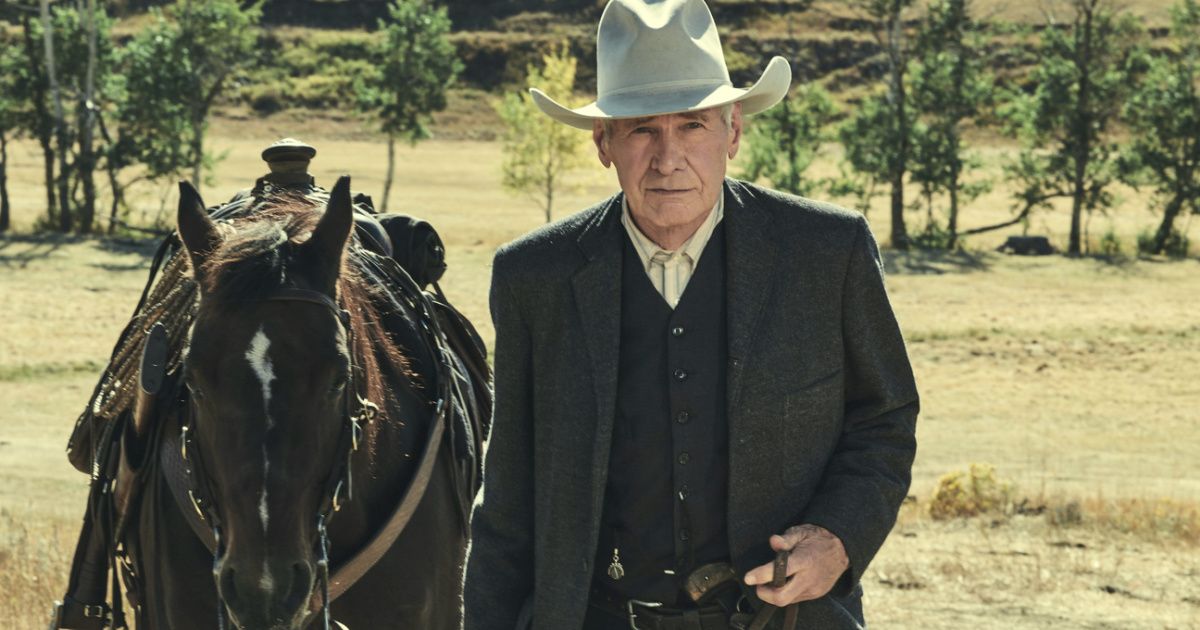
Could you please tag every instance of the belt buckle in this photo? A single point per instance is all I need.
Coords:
(633, 615)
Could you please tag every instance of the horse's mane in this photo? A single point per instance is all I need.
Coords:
(251, 262)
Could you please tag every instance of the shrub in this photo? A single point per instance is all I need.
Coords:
(975, 492)
(1177, 244)
(1110, 244)
(933, 237)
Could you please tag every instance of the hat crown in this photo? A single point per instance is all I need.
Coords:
(664, 44)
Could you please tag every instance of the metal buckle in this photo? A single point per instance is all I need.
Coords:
(633, 616)
(95, 611)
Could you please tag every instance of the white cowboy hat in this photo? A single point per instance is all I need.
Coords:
(663, 57)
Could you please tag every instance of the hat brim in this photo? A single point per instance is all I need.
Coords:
(770, 88)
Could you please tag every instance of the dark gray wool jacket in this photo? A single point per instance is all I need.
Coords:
(822, 405)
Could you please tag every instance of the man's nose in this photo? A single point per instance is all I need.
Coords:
(669, 154)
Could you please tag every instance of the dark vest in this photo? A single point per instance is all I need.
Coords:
(664, 504)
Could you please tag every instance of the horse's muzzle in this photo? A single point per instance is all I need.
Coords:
(273, 596)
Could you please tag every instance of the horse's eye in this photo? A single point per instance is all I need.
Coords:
(337, 388)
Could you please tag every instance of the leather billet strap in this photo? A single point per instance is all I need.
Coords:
(791, 612)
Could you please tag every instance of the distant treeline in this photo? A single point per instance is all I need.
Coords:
(465, 14)
(1092, 96)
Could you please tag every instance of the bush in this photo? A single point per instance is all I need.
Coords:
(975, 492)
(1110, 244)
(1177, 244)
(934, 236)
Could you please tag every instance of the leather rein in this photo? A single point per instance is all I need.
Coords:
(358, 411)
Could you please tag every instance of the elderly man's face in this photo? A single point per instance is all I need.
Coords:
(671, 167)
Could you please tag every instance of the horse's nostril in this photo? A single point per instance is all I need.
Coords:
(301, 587)
(227, 587)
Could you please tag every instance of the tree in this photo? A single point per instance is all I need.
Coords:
(11, 107)
(60, 121)
(870, 138)
(1083, 76)
(538, 150)
(785, 140)
(215, 39)
(85, 57)
(888, 120)
(1164, 117)
(31, 88)
(154, 115)
(417, 63)
(950, 85)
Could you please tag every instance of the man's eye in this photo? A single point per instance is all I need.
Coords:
(695, 125)
(643, 130)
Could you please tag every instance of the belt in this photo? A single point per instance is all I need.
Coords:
(654, 616)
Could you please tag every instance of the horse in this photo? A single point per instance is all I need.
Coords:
(304, 419)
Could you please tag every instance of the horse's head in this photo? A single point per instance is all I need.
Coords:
(269, 373)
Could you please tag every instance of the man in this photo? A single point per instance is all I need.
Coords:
(691, 376)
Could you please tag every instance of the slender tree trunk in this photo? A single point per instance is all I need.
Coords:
(391, 169)
(197, 149)
(895, 33)
(43, 125)
(952, 227)
(110, 166)
(1168, 221)
(1082, 131)
(4, 207)
(87, 155)
(549, 178)
(60, 121)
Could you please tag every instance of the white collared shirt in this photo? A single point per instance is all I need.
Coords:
(669, 271)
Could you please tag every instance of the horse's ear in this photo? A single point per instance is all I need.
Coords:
(197, 231)
(328, 240)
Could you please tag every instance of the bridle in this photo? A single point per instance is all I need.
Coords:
(357, 411)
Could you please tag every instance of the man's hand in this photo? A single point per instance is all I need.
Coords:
(816, 561)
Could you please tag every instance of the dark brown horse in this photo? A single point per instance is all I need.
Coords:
(287, 464)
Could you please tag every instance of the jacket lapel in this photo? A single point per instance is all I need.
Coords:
(750, 263)
(597, 288)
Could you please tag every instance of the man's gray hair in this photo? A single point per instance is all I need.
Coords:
(726, 117)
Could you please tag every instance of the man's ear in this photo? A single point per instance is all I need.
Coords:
(601, 142)
(735, 128)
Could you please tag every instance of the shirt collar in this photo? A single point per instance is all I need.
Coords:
(691, 248)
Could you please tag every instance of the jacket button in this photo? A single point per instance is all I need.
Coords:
(682, 417)
(681, 375)
(677, 331)
(684, 492)
(684, 458)
(684, 535)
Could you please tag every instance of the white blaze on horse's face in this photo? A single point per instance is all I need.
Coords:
(260, 363)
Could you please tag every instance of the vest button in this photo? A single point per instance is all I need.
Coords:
(684, 492)
(684, 535)
(677, 331)
(684, 458)
(682, 417)
(680, 375)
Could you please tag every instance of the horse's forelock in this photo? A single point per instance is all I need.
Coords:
(252, 263)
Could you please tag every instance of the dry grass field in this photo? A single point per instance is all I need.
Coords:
(1076, 379)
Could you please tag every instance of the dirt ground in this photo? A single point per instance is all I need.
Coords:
(1076, 379)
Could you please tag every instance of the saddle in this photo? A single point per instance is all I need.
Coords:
(104, 444)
